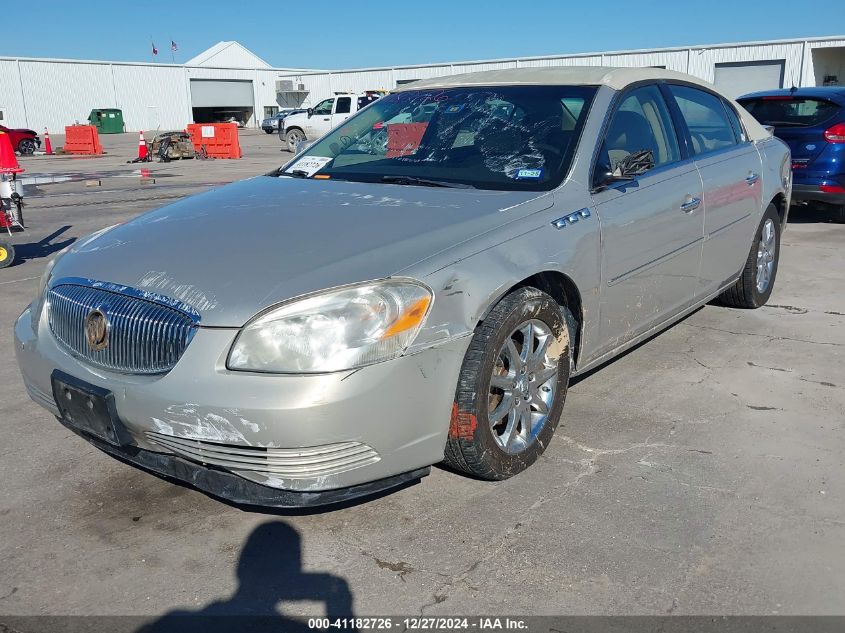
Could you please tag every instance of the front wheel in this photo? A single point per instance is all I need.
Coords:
(26, 147)
(755, 285)
(293, 138)
(511, 387)
(7, 255)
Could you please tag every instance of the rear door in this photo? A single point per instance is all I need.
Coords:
(730, 170)
(652, 226)
(342, 110)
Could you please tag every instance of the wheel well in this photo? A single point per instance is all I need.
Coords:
(563, 290)
(780, 204)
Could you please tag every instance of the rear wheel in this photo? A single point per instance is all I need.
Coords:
(7, 254)
(26, 147)
(754, 287)
(511, 388)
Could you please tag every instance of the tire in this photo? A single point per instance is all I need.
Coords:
(478, 434)
(7, 254)
(26, 147)
(839, 214)
(269, 131)
(748, 292)
(292, 137)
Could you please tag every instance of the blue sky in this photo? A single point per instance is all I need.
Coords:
(358, 33)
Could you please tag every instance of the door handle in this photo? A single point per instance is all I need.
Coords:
(752, 178)
(326, 119)
(691, 204)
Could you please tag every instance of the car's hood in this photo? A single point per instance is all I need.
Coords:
(232, 251)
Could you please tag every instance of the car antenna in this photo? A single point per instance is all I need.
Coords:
(793, 89)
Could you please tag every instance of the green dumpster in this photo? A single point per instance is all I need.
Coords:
(107, 120)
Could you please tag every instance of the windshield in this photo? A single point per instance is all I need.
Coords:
(786, 111)
(512, 137)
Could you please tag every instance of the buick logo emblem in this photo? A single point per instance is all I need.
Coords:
(97, 330)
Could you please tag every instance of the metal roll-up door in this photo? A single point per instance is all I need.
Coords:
(221, 93)
(739, 78)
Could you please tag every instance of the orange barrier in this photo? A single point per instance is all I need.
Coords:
(82, 139)
(219, 139)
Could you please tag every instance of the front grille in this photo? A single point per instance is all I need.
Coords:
(279, 462)
(144, 336)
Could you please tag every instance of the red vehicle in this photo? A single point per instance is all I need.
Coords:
(23, 140)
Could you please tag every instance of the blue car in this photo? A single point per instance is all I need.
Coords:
(812, 122)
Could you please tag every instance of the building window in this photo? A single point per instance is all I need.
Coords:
(270, 111)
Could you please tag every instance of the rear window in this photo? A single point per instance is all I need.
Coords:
(790, 111)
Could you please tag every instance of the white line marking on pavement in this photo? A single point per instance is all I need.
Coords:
(14, 281)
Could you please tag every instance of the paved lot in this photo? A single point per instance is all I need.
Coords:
(700, 473)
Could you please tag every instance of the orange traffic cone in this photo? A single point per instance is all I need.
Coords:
(8, 160)
(48, 146)
(142, 146)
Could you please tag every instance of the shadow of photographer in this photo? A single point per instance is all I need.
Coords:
(269, 571)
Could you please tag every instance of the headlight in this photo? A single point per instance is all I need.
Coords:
(38, 304)
(340, 329)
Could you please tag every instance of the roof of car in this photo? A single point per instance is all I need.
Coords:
(616, 78)
(816, 91)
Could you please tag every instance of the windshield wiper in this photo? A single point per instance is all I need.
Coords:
(297, 173)
(785, 124)
(424, 182)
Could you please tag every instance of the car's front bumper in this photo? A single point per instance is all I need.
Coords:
(291, 433)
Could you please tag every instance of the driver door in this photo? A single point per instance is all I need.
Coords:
(652, 225)
(320, 120)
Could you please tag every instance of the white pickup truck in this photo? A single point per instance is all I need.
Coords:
(313, 123)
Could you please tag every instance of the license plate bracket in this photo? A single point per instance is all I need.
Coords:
(88, 408)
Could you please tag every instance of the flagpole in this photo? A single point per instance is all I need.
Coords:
(172, 52)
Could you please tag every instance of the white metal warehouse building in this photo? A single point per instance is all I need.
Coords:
(226, 80)
(736, 68)
(229, 80)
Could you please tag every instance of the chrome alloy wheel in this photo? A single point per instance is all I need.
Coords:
(522, 386)
(294, 137)
(766, 252)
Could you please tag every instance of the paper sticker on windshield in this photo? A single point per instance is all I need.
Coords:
(529, 174)
(454, 109)
(309, 164)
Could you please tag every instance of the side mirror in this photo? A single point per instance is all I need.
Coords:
(634, 164)
(310, 112)
(301, 145)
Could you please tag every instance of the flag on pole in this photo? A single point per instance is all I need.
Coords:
(155, 50)
(173, 46)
